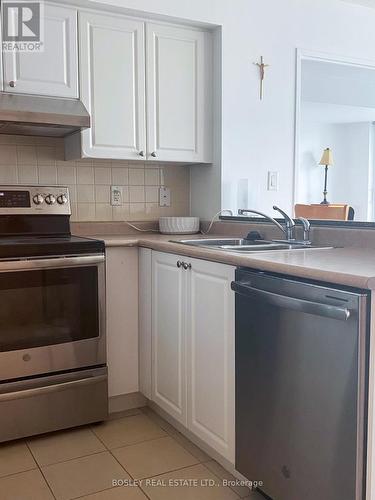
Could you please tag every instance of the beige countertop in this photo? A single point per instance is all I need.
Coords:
(346, 266)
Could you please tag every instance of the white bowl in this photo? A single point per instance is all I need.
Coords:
(179, 225)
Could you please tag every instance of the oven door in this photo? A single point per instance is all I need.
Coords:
(52, 315)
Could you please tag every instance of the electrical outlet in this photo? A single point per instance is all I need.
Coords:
(164, 197)
(116, 196)
(273, 181)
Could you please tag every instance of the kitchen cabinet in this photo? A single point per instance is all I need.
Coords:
(122, 320)
(54, 71)
(112, 84)
(169, 335)
(178, 94)
(210, 354)
(147, 88)
(193, 346)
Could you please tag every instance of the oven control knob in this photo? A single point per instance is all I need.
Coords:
(38, 199)
(62, 199)
(50, 199)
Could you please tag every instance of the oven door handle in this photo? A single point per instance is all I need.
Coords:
(62, 386)
(51, 263)
(293, 303)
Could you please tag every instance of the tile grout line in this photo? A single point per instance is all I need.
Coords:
(177, 433)
(175, 470)
(187, 467)
(168, 435)
(145, 441)
(109, 489)
(118, 462)
(74, 458)
(130, 444)
(44, 477)
(132, 477)
(171, 434)
(221, 479)
(19, 472)
(202, 463)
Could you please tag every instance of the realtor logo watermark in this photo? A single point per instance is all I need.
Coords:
(22, 25)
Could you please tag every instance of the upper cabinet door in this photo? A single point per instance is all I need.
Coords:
(112, 76)
(53, 72)
(179, 119)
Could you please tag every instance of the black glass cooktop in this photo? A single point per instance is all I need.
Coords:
(39, 246)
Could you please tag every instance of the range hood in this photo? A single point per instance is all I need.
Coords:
(43, 116)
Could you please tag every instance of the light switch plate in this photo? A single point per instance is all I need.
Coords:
(164, 197)
(273, 181)
(116, 196)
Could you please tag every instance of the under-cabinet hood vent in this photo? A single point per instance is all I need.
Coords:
(43, 116)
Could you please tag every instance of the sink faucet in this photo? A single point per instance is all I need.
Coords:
(243, 211)
(306, 230)
(289, 223)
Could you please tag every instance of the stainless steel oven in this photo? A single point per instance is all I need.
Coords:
(53, 371)
(52, 315)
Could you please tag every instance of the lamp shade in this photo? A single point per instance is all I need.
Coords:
(327, 158)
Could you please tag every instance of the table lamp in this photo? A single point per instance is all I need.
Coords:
(326, 161)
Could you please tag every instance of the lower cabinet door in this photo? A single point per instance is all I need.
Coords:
(168, 335)
(210, 355)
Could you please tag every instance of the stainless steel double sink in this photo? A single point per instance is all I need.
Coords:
(243, 245)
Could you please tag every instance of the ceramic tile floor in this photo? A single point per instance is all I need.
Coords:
(136, 447)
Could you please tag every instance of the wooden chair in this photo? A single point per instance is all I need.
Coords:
(330, 212)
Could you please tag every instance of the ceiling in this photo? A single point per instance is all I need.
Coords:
(367, 3)
(337, 83)
(335, 114)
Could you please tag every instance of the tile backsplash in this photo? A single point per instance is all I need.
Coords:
(40, 160)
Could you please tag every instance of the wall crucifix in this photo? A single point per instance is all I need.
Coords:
(261, 67)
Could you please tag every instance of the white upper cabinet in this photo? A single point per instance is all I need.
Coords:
(112, 76)
(148, 90)
(53, 72)
(178, 94)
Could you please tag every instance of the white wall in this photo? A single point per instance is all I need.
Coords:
(349, 180)
(259, 136)
(314, 137)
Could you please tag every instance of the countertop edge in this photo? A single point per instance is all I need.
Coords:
(261, 262)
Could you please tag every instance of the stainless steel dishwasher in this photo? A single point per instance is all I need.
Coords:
(301, 387)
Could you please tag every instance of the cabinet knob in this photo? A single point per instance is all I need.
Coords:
(141, 153)
(186, 265)
(12, 84)
(179, 264)
(153, 154)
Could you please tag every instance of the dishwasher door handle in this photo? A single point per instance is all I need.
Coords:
(293, 303)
